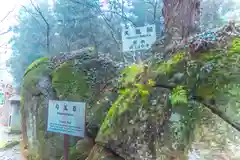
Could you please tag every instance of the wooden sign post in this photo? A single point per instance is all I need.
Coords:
(67, 118)
(66, 142)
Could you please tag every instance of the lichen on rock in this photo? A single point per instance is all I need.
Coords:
(82, 77)
(100, 153)
(148, 111)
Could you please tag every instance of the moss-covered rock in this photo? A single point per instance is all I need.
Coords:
(83, 78)
(37, 70)
(81, 150)
(70, 83)
(99, 112)
(86, 78)
(137, 128)
(100, 153)
(157, 112)
(150, 111)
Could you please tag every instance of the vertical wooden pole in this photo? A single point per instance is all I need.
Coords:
(66, 142)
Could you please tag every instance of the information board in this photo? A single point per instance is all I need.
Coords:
(66, 117)
(138, 38)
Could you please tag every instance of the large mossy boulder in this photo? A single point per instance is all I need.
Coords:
(138, 125)
(79, 77)
(162, 103)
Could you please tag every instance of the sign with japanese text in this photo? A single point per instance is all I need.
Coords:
(138, 38)
(66, 117)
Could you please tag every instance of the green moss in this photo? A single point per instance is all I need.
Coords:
(35, 64)
(70, 83)
(167, 66)
(80, 80)
(126, 103)
(41, 139)
(99, 153)
(235, 46)
(37, 70)
(49, 145)
(74, 80)
(33, 75)
(81, 150)
(98, 111)
(119, 106)
(8, 145)
(33, 156)
(76, 154)
(129, 73)
(179, 96)
(111, 113)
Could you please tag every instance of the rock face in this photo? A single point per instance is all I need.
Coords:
(148, 112)
(82, 77)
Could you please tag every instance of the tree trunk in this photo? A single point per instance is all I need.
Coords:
(181, 18)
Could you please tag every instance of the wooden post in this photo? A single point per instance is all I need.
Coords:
(66, 142)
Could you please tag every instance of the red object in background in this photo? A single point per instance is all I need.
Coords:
(5, 125)
(7, 94)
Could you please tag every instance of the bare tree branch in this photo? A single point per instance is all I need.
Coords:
(98, 10)
(4, 44)
(5, 17)
(110, 27)
(27, 10)
(34, 15)
(36, 7)
(101, 14)
(154, 5)
(2, 33)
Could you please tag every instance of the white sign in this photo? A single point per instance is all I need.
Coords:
(66, 117)
(138, 38)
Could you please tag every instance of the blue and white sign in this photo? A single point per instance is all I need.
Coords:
(66, 117)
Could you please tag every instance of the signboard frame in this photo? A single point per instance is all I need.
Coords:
(66, 117)
(58, 121)
(138, 38)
